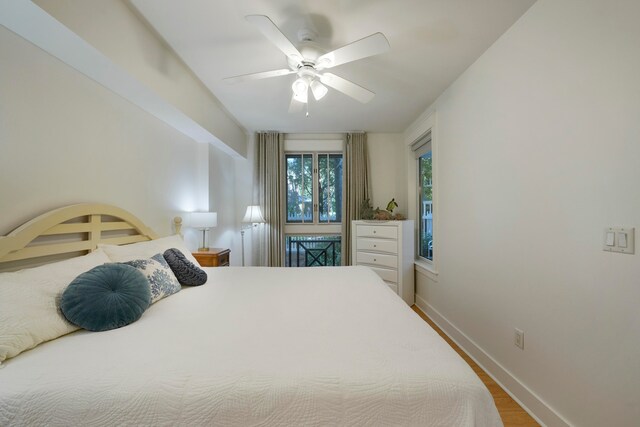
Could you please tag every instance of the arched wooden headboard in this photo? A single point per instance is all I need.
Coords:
(74, 229)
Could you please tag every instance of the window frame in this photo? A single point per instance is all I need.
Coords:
(425, 124)
(328, 155)
(313, 186)
(316, 226)
(314, 143)
(419, 203)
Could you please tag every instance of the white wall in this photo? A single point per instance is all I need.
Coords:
(538, 151)
(60, 127)
(246, 195)
(386, 171)
(229, 184)
(117, 31)
(65, 139)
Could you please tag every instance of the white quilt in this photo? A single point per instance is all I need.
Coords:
(254, 347)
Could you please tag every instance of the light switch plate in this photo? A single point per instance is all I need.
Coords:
(623, 242)
(610, 240)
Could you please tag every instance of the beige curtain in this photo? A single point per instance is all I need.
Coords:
(269, 175)
(356, 186)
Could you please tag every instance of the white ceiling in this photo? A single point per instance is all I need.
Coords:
(432, 43)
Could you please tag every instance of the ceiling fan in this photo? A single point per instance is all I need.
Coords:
(310, 62)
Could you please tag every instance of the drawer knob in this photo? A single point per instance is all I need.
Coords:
(375, 259)
(374, 231)
(375, 246)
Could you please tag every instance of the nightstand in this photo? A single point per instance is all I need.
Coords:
(214, 257)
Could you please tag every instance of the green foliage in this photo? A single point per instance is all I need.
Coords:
(425, 165)
(366, 210)
(368, 213)
(300, 189)
(330, 187)
(392, 205)
(425, 244)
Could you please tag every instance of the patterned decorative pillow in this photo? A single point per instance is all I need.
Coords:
(186, 272)
(161, 279)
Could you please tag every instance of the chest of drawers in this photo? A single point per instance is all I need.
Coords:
(387, 247)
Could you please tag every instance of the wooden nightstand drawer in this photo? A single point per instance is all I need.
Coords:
(214, 257)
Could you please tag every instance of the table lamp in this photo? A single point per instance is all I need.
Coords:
(203, 221)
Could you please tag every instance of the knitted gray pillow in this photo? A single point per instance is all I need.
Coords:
(185, 271)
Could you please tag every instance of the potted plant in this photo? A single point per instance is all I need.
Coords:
(368, 213)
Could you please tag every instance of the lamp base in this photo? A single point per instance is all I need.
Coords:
(203, 249)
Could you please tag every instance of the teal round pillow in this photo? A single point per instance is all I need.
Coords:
(108, 296)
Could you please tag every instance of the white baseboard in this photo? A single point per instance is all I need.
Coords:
(526, 398)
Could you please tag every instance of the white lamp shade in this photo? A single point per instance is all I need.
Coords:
(253, 215)
(319, 90)
(302, 96)
(203, 220)
(300, 86)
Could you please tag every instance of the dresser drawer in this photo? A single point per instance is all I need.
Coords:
(377, 231)
(377, 245)
(392, 286)
(387, 248)
(377, 259)
(386, 274)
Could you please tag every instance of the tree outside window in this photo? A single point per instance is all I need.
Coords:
(299, 188)
(321, 172)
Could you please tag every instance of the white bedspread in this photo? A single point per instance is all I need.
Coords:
(254, 347)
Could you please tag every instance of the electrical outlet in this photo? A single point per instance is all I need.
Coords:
(518, 338)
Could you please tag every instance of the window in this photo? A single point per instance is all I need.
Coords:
(314, 188)
(423, 154)
(299, 187)
(426, 206)
(314, 209)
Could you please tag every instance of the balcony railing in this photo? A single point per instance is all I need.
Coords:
(313, 251)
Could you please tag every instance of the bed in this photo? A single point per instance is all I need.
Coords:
(253, 346)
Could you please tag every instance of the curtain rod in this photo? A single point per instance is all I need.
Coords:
(311, 133)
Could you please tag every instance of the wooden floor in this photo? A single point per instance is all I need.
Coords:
(510, 412)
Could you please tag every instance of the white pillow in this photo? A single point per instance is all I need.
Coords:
(29, 303)
(144, 250)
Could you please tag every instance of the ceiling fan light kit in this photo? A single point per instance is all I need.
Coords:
(309, 62)
(318, 89)
(300, 86)
(301, 91)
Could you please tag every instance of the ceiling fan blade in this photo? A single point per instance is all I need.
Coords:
(347, 87)
(257, 76)
(374, 44)
(275, 36)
